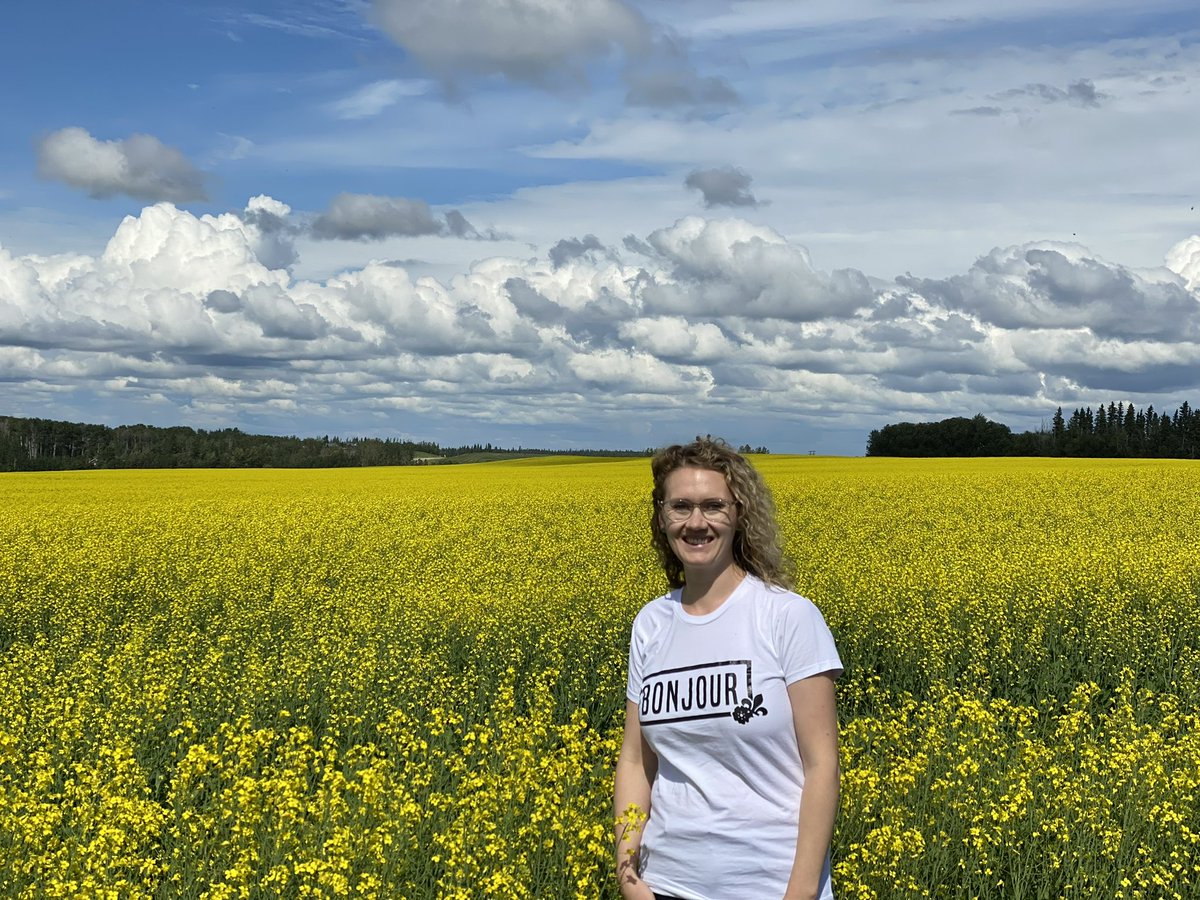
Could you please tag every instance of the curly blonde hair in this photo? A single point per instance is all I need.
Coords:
(757, 543)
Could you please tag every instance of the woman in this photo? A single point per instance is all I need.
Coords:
(730, 741)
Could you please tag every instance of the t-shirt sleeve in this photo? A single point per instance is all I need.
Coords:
(805, 642)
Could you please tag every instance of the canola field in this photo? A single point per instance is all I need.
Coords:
(409, 683)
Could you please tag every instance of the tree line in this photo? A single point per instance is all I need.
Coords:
(1116, 430)
(47, 445)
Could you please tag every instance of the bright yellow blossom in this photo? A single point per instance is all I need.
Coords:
(409, 683)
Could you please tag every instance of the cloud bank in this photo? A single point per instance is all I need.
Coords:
(701, 316)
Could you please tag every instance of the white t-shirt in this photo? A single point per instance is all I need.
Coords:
(712, 701)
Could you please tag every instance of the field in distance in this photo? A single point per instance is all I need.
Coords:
(409, 682)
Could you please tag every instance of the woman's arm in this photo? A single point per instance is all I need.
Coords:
(814, 713)
(636, 768)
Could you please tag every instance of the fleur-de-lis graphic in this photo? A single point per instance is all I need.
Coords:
(747, 709)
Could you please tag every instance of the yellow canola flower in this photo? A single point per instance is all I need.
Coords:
(409, 683)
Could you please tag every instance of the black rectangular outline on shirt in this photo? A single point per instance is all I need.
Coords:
(712, 665)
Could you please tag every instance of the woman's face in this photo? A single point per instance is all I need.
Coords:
(701, 542)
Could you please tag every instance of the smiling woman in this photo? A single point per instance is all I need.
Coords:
(757, 543)
(702, 543)
(703, 763)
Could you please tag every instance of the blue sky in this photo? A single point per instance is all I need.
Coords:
(600, 222)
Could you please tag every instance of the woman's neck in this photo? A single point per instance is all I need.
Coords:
(703, 592)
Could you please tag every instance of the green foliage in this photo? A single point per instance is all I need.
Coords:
(47, 445)
(950, 437)
(1118, 430)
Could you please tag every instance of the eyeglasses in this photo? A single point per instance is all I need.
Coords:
(714, 510)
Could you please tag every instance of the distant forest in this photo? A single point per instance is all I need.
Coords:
(1118, 430)
(47, 445)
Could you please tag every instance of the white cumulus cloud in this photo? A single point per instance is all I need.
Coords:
(1057, 285)
(706, 318)
(1184, 260)
(731, 267)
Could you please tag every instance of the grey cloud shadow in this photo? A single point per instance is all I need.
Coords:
(722, 186)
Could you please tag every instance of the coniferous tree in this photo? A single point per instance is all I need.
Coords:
(1059, 432)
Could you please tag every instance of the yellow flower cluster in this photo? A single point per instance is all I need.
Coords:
(409, 683)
